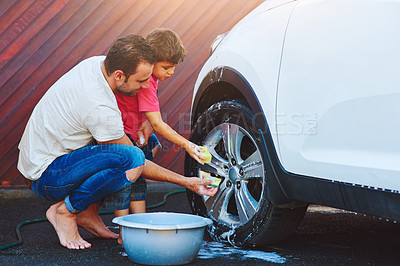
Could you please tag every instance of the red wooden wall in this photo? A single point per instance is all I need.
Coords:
(41, 40)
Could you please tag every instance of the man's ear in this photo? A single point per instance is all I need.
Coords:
(118, 75)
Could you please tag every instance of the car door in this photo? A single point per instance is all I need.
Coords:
(338, 96)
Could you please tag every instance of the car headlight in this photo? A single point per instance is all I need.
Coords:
(216, 42)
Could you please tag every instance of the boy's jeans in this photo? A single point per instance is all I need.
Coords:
(86, 175)
(121, 199)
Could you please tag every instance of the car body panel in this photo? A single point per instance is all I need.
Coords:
(339, 91)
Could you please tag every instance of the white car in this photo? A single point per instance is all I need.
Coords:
(300, 103)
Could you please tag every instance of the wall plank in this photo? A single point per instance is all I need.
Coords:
(41, 40)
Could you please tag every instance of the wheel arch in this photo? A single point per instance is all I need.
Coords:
(222, 83)
(225, 83)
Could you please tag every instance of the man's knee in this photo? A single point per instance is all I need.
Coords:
(133, 174)
(133, 156)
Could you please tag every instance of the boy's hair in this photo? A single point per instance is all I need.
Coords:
(166, 45)
(127, 53)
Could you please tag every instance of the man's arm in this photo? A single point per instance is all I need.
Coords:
(158, 173)
(197, 185)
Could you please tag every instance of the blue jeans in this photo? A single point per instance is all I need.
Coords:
(121, 199)
(88, 174)
(152, 142)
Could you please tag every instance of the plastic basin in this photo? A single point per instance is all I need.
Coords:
(162, 238)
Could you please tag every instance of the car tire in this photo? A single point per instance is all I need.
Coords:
(241, 212)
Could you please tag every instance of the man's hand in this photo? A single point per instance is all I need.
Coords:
(195, 184)
(145, 131)
(199, 186)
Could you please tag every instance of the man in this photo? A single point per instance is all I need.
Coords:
(71, 148)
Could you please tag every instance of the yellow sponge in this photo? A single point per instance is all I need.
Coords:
(206, 154)
(215, 180)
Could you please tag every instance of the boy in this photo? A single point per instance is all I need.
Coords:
(168, 51)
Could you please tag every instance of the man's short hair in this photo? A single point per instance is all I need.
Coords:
(127, 53)
(166, 45)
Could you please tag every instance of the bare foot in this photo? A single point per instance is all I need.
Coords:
(91, 222)
(66, 227)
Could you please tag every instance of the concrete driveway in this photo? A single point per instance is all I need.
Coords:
(325, 237)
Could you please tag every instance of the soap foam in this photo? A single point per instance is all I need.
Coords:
(213, 250)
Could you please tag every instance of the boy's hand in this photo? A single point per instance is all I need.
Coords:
(200, 186)
(195, 152)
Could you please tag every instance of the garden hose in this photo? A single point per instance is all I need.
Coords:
(18, 233)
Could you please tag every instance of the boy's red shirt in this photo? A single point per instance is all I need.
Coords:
(133, 108)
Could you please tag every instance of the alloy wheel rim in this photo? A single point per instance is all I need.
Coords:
(236, 159)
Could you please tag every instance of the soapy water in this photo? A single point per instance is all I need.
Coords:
(214, 250)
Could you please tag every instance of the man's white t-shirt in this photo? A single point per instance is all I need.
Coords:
(78, 108)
